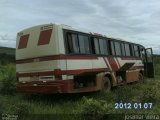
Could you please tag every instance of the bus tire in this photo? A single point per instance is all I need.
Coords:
(141, 78)
(106, 85)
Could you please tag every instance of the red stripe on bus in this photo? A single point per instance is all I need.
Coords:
(112, 63)
(118, 62)
(106, 63)
(55, 57)
(63, 72)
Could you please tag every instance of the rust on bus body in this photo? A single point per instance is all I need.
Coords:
(132, 76)
(51, 86)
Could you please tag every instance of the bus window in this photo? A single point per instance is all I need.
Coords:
(141, 51)
(96, 46)
(23, 41)
(69, 43)
(117, 48)
(123, 49)
(75, 43)
(84, 44)
(136, 51)
(112, 48)
(72, 43)
(127, 49)
(103, 46)
(132, 50)
(45, 37)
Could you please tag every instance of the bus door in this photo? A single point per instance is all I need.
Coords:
(148, 63)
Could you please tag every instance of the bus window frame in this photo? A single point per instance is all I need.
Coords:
(123, 49)
(126, 43)
(116, 48)
(113, 48)
(104, 39)
(138, 50)
(108, 40)
(66, 46)
(132, 50)
(89, 42)
(93, 45)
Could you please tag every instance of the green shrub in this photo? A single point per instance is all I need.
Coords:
(6, 58)
(1, 108)
(149, 95)
(157, 69)
(123, 93)
(8, 79)
(92, 110)
(22, 110)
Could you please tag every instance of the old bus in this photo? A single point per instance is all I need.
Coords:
(55, 58)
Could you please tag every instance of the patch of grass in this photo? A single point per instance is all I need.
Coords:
(85, 106)
(8, 79)
(149, 95)
(157, 69)
(94, 109)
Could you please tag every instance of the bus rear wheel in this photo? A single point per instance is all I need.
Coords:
(106, 85)
(141, 78)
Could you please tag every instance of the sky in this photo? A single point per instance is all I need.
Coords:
(132, 20)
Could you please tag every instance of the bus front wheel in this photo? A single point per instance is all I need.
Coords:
(106, 85)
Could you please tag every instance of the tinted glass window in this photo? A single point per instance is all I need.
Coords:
(136, 51)
(96, 46)
(84, 44)
(69, 42)
(72, 40)
(117, 48)
(75, 43)
(112, 48)
(103, 46)
(123, 49)
(132, 50)
(127, 50)
(141, 50)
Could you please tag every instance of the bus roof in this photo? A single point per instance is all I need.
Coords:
(67, 27)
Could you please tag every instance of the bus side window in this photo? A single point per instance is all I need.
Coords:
(136, 51)
(96, 46)
(127, 49)
(23, 41)
(112, 48)
(142, 53)
(118, 48)
(69, 43)
(72, 43)
(123, 49)
(103, 46)
(132, 50)
(84, 44)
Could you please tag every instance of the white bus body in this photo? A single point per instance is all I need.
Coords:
(44, 66)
